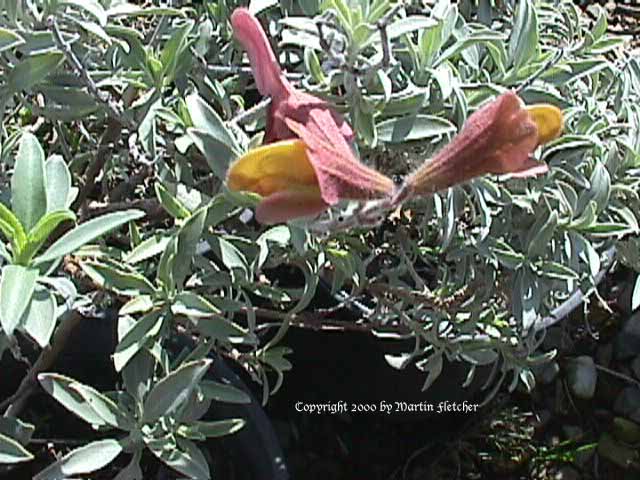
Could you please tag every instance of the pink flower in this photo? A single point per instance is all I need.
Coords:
(325, 135)
(499, 138)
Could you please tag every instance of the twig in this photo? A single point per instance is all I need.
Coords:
(577, 297)
(619, 375)
(150, 206)
(113, 109)
(47, 357)
(247, 116)
(110, 135)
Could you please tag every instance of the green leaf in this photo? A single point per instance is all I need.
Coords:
(16, 429)
(42, 230)
(32, 70)
(541, 233)
(138, 304)
(127, 283)
(143, 333)
(212, 429)
(130, 10)
(87, 232)
(217, 153)
(222, 392)
(188, 238)
(149, 248)
(12, 228)
(106, 408)
(410, 24)
(60, 388)
(60, 195)
(92, 7)
(219, 328)
(39, 319)
(28, 195)
(206, 119)
(229, 255)
(12, 452)
(16, 288)
(193, 306)
(635, 296)
(415, 127)
(8, 40)
(524, 41)
(171, 204)
(181, 455)
(173, 390)
(257, 6)
(174, 49)
(83, 460)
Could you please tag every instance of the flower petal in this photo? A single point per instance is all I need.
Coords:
(289, 204)
(272, 168)
(264, 65)
(549, 121)
(340, 174)
(498, 138)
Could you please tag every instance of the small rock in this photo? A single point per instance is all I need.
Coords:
(616, 452)
(627, 342)
(547, 372)
(626, 430)
(635, 366)
(567, 473)
(628, 404)
(572, 432)
(582, 376)
(604, 354)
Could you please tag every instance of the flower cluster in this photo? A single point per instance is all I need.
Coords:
(307, 163)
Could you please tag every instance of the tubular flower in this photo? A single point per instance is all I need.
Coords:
(499, 138)
(282, 171)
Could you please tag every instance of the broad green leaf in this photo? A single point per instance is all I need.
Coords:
(16, 288)
(16, 429)
(188, 238)
(87, 232)
(8, 40)
(106, 408)
(28, 194)
(42, 230)
(635, 296)
(127, 283)
(83, 460)
(12, 452)
(138, 304)
(58, 184)
(193, 306)
(60, 388)
(541, 233)
(173, 390)
(174, 49)
(228, 253)
(222, 392)
(217, 153)
(39, 319)
(92, 7)
(415, 127)
(257, 6)
(220, 328)
(12, 228)
(171, 204)
(524, 41)
(130, 10)
(32, 70)
(181, 455)
(148, 248)
(211, 429)
(143, 333)
(206, 119)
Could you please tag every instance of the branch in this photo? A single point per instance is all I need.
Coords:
(113, 109)
(45, 360)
